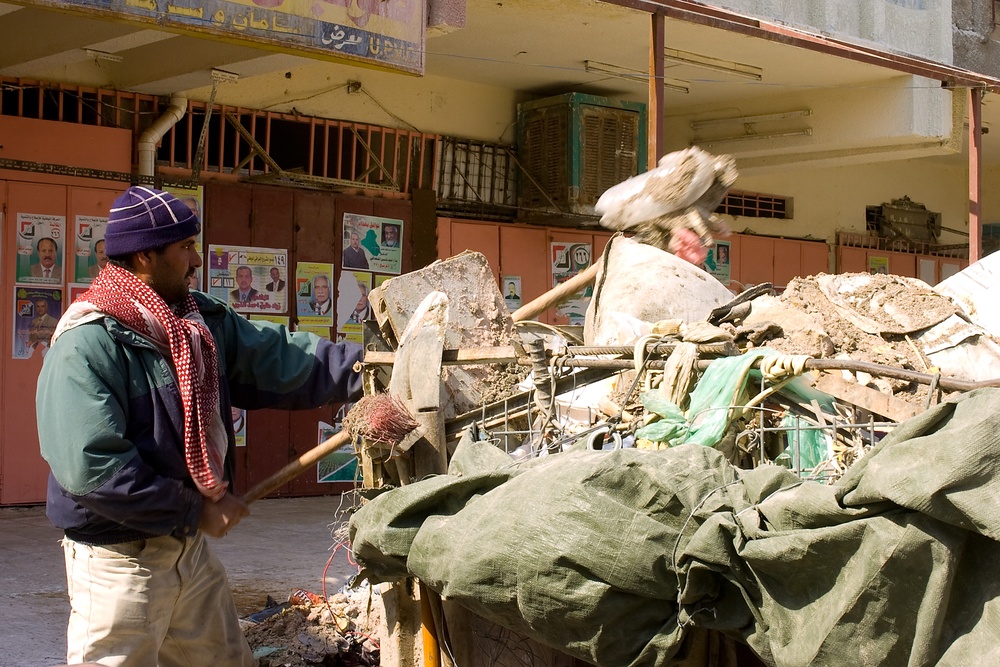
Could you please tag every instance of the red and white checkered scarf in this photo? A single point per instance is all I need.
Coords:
(182, 337)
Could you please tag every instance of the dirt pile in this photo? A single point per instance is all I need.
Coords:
(864, 323)
(340, 631)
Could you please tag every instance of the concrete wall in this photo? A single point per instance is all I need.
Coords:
(830, 200)
(975, 44)
(917, 27)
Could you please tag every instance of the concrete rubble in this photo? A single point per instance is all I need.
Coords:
(810, 379)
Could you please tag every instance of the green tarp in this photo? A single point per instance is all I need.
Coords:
(612, 556)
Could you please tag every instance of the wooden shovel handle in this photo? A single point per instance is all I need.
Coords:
(556, 295)
(297, 467)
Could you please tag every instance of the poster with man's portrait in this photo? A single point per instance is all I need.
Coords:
(569, 259)
(36, 313)
(352, 301)
(239, 418)
(194, 199)
(239, 275)
(511, 286)
(372, 243)
(89, 253)
(41, 241)
(314, 294)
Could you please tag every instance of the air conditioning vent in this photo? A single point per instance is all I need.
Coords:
(574, 147)
(609, 150)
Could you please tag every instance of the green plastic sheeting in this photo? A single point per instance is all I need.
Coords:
(727, 382)
(613, 556)
(707, 417)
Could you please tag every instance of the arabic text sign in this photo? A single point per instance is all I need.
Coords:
(386, 33)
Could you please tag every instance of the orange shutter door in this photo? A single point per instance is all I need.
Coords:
(481, 237)
(522, 254)
(815, 258)
(787, 261)
(756, 260)
(24, 471)
(852, 260)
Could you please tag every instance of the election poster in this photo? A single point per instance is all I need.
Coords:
(511, 286)
(717, 262)
(341, 465)
(321, 331)
(239, 418)
(89, 253)
(352, 301)
(281, 320)
(74, 290)
(314, 294)
(36, 312)
(41, 241)
(372, 243)
(569, 259)
(240, 275)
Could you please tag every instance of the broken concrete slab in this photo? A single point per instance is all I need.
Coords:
(477, 318)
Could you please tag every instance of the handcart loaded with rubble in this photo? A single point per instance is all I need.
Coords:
(808, 478)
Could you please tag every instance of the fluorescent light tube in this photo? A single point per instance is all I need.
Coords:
(630, 74)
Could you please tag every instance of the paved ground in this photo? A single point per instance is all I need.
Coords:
(283, 544)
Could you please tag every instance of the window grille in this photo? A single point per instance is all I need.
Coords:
(476, 178)
(77, 104)
(365, 154)
(755, 205)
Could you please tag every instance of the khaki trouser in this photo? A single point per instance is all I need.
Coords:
(163, 601)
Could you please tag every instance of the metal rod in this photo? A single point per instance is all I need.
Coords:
(945, 383)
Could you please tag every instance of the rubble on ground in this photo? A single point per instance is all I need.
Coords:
(312, 630)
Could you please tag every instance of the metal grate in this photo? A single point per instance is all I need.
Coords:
(24, 98)
(855, 240)
(756, 205)
(476, 178)
(365, 154)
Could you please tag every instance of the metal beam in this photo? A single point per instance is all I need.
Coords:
(695, 12)
(655, 110)
(975, 174)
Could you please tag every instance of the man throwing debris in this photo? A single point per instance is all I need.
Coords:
(134, 420)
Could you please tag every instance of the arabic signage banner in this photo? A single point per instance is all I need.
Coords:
(384, 33)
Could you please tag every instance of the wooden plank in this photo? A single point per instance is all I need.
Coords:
(502, 354)
(865, 397)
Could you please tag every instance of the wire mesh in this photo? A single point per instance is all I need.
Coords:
(772, 433)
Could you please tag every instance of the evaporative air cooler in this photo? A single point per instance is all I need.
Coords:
(573, 147)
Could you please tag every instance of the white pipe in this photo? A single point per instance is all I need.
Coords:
(155, 132)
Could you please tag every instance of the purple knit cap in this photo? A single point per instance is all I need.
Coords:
(146, 219)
